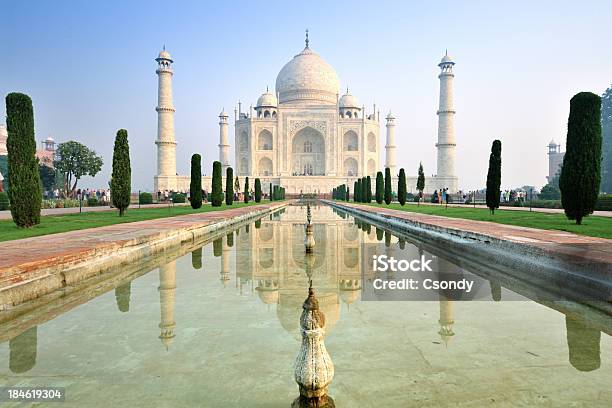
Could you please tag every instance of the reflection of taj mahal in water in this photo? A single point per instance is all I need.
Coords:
(305, 136)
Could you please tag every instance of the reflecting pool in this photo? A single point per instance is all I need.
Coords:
(219, 326)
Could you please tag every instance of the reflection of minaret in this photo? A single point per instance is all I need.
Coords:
(446, 319)
(122, 296)
(225, 262)
(23, 351)
(167, 289)
(583, 344)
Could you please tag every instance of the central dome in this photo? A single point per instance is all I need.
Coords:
(307, 78)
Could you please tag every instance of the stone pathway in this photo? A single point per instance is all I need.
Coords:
(553, 241)
(19, 257)
(543, 210)
(6, 215)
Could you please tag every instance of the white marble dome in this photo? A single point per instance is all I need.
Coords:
(307, 78)
(349, 101)
(267, 100)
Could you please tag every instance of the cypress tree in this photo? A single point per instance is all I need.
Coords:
(257, 190)
(369, 189)
(270, 193)
(217, 185)
(494, 176)
(246, 190)
(420, 182)
(121, 179)
(195, 187)
(401, 187)
(229, 186)
(581, 171)
(363, 193)
(356, 191)
(380, 187)
(348, 194)
(388, 190)
(25, 191)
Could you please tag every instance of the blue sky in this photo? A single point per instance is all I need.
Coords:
(90, 69)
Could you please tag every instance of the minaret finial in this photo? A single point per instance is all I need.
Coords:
(446, 52)
(164, 47)
(266, 88)
(347, 90)
(307, 40)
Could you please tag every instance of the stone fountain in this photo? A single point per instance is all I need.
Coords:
(314, 369)
(309, 241)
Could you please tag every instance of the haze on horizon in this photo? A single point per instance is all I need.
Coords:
(89, 68)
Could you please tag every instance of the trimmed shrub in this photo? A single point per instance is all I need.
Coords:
(92, 202)
(401, 187)
(581, 171)
(494, 176)
(145, 198)
(217, 185)
(121, 179)
(380, 187)
(246, 190)
(179, 198)
(388, 189)
(604, 203)
(4, 201)
(257, 190)
(195, 186)
(229, 186)
(25, 190)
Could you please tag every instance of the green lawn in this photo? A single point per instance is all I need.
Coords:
(594, 226)
(53, 224)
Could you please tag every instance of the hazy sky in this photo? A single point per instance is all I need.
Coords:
(89, 68)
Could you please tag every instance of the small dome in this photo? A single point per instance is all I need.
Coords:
(164, 55)
(49, 139)
(446, 59)
(349, 101)
(552, 142)
(267, 100)
(223, 114)
(390, 116)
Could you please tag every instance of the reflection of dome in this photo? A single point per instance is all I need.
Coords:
(307, 77)
(289, 310)
(267, 100)
(349, 101)
(350, 290)
(268, 291)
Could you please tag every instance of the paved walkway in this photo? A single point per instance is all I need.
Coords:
(552, 241)
(543, 210)
(20, 257)
(6, 215)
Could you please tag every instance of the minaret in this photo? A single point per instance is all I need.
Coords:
(390, 146)
(166, 146)
(446, 127)
(167, 289)
(223, 141)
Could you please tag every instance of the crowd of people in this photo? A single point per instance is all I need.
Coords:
(102, 195)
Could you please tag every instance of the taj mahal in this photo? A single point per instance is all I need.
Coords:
(305, 136)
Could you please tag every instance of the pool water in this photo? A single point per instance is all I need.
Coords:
(219, 327)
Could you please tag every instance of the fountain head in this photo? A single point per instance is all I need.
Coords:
(314, 369)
